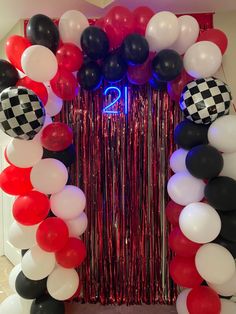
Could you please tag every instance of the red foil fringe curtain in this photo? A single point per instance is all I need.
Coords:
(123, 167)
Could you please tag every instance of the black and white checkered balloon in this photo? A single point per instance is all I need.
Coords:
(204, 100)
(22, 114)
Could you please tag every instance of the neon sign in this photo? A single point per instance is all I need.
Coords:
(108, 108)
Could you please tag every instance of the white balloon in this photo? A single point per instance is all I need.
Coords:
(22, 237)
(71, 26)
(215, 263)
(62, 283)
(49, 176)
(177, 160)
(226, 289)
(54, 104)
(222, 134)
(24, 154)
(181, 302)
(72, 198)
(229, 168)
(39, 63)
(48, 120)
(227, 307)
(203, 59)
(25, 305)
(78, 225)
(37, 264)
(14, 304)
(184, 189)
(200, 222)
(189, 31)
(13, 275)
(162, 31)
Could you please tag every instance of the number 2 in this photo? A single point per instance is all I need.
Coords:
(107, 109)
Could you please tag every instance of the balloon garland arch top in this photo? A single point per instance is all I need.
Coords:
(160, 49)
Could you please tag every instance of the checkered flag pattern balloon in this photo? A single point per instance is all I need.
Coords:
(22, 114)
(204, 100)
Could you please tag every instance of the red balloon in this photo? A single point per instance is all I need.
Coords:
(99, 22)
(69, 57)
(118, 23)
(142, 16)
(184, 272)
(15, 47)
(216, 36)
(56, 136)
(176, 87)
(73, 253)
(140, 74)
(203, 300)
(52, 234)
(173, 211)
(38, 88)
(31, 208)
(15, 181)
(181, 245)
(64, 85)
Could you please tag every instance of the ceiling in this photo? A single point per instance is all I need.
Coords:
(13, 10)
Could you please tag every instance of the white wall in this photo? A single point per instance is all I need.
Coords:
(226, 21)
(6, 201)
(18, 29)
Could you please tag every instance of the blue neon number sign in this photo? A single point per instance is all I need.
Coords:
(108, 108)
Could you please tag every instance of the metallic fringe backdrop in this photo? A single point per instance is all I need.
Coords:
(122, 165)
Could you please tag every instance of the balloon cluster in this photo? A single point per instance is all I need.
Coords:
(202, 209)
(54, 60)
(147, 47)
(49, 219)
(49, 213)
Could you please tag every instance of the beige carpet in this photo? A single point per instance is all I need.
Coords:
(98, 309)
(6, 266)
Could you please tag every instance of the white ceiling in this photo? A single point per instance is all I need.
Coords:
(13, 10)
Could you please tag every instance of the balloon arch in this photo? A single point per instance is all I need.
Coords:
(163, 50)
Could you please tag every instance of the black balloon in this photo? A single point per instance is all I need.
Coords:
(157, 85)
(228, 226)
(114, 68)
(47, 305)
(226, 298)
(23, 252)
(50, 214)
(90, 76)
(135, 49)
(220, 193)
(8, 75)
(67, 156)
(42, 31)
(167, 65)
(69, 181)
(229, 245)
(30, 289)
(204, 162)
(188, 134)
(95, 43)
